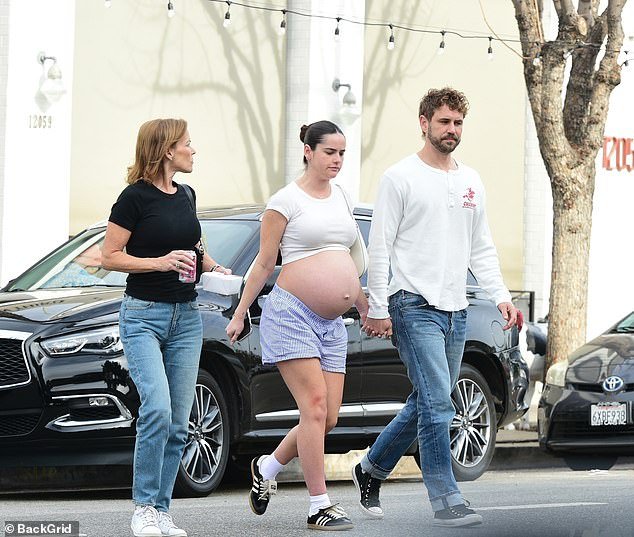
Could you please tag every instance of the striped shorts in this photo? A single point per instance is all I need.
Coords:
(289, 330)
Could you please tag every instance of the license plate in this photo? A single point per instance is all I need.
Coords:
(603, 414)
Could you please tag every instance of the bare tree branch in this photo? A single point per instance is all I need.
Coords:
(608, 76)
(585, 11)
(567, 7)
(528, 18)
(576, 108)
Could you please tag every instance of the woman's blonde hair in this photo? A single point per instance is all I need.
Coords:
(154, 139)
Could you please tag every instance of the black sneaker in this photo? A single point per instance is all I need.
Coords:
(331, 518)
(262, 489)
(368, 488)
(457, 515)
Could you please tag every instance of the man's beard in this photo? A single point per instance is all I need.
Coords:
(442, 147)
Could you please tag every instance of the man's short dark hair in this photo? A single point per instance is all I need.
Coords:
(436, 98)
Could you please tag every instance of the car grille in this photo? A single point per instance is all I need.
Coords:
(12, 365)
(94, 413)
(18, 424)
(578, 429)
(595, 387)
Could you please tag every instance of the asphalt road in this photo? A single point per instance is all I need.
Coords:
(526, 503)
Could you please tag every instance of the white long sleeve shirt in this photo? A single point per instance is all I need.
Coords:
(430, 226)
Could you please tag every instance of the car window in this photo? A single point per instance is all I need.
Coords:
(225, 239)
(83, 269)
(626, 325)
(77, 263)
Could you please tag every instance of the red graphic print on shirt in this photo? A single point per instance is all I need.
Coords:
(469, 197)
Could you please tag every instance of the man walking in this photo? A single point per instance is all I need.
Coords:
(429, 226)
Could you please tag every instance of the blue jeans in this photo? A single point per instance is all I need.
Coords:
(430, 343)
(162, 344)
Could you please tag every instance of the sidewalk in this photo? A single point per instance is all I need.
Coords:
(514, 450)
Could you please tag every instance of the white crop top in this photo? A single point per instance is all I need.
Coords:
(314, 225)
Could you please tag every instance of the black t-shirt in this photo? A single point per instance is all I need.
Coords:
(159, 223)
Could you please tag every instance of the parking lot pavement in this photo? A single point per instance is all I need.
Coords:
(524, 503)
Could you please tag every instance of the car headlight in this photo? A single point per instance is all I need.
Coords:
(556, 374)
(100, 341)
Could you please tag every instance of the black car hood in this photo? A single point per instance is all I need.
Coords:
(607, 355)
(60, 305)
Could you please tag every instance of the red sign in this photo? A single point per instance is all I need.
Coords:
(618, 153)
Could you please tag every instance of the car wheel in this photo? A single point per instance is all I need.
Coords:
(474, 427)
(207, 449)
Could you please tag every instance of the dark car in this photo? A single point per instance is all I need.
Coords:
(587, 400)
(66, 396)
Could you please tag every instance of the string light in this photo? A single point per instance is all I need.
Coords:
(441, 47)
(107, 3)
(365, 23)
(282, 29)
(227, 21)
(390, 41)
(537, 60)
(170, 9)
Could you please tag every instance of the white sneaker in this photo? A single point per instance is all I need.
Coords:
(145, 522)
(167, 526)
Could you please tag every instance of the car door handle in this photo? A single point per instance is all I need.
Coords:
(348, 321)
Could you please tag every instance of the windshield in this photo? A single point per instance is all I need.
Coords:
(77, 263)
(626, 325)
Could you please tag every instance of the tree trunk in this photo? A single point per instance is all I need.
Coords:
(572, 223)
(569, 140)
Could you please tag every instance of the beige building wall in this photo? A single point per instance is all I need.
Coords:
(493, 136)
(133, 63)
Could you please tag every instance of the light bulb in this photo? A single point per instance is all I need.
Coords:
(390, 41)
(441, 47)
(337, 31)
(490, 49)
(227, 22)
(107, 3)
(282, 29)
(170, 10)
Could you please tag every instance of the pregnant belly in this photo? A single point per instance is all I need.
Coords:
(326, 282)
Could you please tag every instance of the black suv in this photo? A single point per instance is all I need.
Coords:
(66, 397)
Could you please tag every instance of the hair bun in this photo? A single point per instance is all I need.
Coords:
(302, 132)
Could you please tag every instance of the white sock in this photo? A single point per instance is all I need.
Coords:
(318, 502)
(270, 467)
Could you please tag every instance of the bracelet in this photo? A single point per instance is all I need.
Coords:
(213, 269)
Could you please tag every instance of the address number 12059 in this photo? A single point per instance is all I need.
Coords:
(40, 122)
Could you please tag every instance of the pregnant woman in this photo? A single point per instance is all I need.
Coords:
(301, 328)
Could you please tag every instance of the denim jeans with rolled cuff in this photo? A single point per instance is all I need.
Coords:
(430, 343)
(162, 343)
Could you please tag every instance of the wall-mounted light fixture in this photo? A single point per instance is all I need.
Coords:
(51, 85)
(348, 99)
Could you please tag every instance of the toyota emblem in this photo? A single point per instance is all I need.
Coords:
(613, 384)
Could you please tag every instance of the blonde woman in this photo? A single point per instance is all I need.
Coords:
(151, 229)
